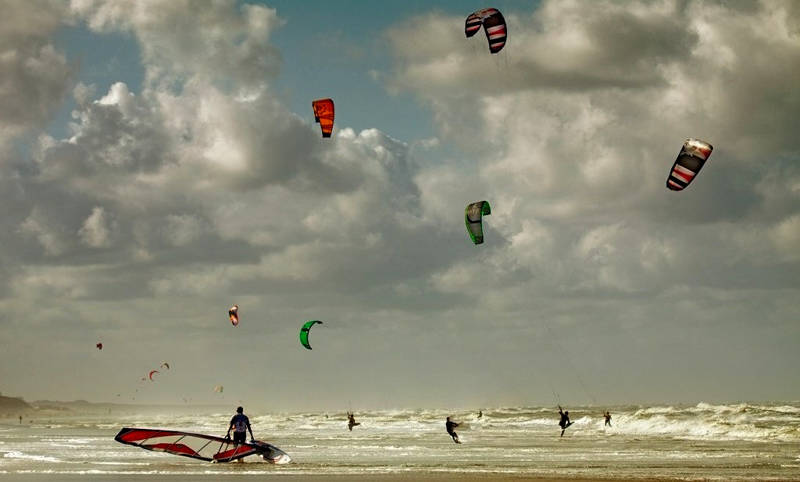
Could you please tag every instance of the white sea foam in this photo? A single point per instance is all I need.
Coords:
(750, 441)
(20, 455)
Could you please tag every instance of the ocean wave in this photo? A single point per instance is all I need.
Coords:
(706, 437)
(20, 455)
(700, 429)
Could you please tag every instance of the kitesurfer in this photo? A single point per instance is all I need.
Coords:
(607, 416)
(20, 419)
(480, 413)
(240, 425)
(450, 425)
(351, 421)
(564, 423)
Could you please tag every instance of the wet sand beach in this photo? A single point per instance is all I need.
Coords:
(422, 477)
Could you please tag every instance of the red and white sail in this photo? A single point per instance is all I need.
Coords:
(198, 446)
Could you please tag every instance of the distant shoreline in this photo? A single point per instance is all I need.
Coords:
(12, 407)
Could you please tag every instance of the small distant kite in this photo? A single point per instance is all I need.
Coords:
(152, 372)
(99, 346)
(493, 24)
(691, 159)
(219, 389)
(473, 218)
(233, 314)
(165, 365)
(305, 331)
(324, 114)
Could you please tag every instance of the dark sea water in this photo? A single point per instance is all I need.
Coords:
(724, 442)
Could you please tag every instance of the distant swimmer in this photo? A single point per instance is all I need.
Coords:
(607, 416)
(240, 425)
(20, 419)
(564, 423)
(480, 413)
(351, 421)
(450, 430)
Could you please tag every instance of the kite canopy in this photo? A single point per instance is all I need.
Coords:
(150, 375)
(473, 218)
(493, 24)
(99, 346)
(324, 114)
(219, 389)
(165, 365)
(305, 330)
(691, 159)
(233, 314)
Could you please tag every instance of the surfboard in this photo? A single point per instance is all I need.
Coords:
(273, 454)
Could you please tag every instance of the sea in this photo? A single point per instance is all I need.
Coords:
(742, 441)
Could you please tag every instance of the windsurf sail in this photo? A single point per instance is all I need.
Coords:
(198, 446)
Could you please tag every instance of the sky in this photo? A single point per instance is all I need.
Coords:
(159, 162)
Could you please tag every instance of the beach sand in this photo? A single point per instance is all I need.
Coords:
(422, 477)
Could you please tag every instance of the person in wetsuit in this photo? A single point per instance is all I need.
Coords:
(450, 425)
(351, 421)
(240, 424)
(607, 416)
(564, 423)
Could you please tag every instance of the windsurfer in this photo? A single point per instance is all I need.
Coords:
(240, 424)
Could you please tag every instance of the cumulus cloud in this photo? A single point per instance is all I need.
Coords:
(214, 174)
(167, 203)
(96, 231)
(35, 75)
(218, 40)
(40, 228)
(575, 124)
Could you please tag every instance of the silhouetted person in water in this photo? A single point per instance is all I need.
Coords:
(564, 423)
(450, 430)
(607, 416)
(480, 413)
(351, 421)
(240, 425)
(20, 419)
